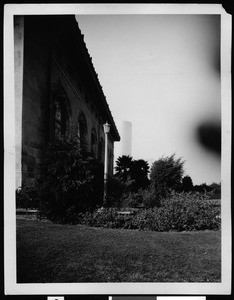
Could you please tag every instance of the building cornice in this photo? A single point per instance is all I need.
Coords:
(81, 61)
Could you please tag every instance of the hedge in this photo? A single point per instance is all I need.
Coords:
(181, 212)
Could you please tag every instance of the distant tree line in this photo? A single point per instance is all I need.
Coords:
(156, 183)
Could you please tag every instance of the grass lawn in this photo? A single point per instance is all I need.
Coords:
(49, 252)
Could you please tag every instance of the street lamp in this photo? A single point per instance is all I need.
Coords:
(106, 131)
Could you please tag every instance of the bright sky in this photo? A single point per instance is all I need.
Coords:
(160, 73)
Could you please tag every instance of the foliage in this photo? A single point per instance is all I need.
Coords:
(70, 182)
(187, 211)
(202, 188)
(142, 198)
(150, 198)
(216, 186)
(115, 190)
(213, 190)
(182, 211)
(122, 168)
(132, 173)
(109, 218)
(139, 174)
(26, 197)
(187, 184)
(132, 199)
(166, 174)
(216, 190)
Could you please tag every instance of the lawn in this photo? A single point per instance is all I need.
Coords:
(49, 252)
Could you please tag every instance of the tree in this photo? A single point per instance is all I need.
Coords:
(166, 174)
(123, 165)
(202, 188)
(139, 174)
(133, 173)
(216, 190)
(215, 186)
(187, 184)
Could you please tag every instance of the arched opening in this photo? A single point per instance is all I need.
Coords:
(59, 120)
(60, 112)
(94, 142)
(82, 132)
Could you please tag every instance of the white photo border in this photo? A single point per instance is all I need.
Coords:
(11, 287)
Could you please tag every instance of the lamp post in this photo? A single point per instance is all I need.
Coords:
(106, 131)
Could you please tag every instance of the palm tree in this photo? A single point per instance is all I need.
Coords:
(139, 173)
(123, 167)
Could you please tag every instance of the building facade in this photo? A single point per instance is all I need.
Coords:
(57, 93)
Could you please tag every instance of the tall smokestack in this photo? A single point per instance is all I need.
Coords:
(124, 147)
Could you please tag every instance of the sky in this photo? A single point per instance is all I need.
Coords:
(161, 73)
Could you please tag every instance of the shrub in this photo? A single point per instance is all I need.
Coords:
(143, 198)
(106, 218)
(115, 189)
(182, 211)
(187, 211)
(150, 198)
(132, 200)
(69, 182)
(27, 197)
